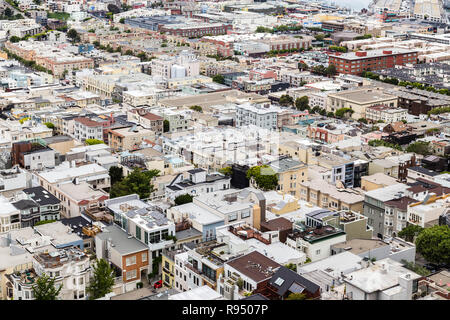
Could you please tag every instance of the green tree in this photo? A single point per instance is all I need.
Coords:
(362, 120)
(228, 171)
(286, 100)
(344, 112)
(122, 20)
(302, 103)
(45, 289)
(196, 108)
(410, 232)
(419, 147)
(331, 70)
(73, 35)
(291, 266)
(219, 79)
(302, 66)
(137, 181)
(49, 125)
(102, 281)
(319, 37)
(434, 244)
(14, 39)
(129, 53)
(264, 177)
(116, 174)
(415, 268)
(90, 142)
(166, 126)
(296, 296)
(182, 199)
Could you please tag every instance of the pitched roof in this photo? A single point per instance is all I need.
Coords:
(285, 280)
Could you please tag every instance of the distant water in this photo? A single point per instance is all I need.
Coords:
(352, 4)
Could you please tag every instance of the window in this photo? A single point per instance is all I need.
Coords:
(130, 261)
(131, 274)
(144, 256)
(318, 251)
(232, 217)
(145, 237)
(138, 233)
(81, 281)
(245, 214)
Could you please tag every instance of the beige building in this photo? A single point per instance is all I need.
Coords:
(358, 100)
(129, 138)
(376, 181)
(290, 174)
(327, 196)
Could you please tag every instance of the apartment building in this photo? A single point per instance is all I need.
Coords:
(32, 155)
(263, 116)
(128, 256)
(357, 62)
(325, 195)
(290, 173)
(145, 223)
(9, 216)
(385, 113)
(70, 267)
(146, 119)
(426, 213)
(358, 100)
(85, 128)
(129, 138)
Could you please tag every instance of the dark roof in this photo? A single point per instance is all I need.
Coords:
(193, 171)
(25, 204)
(285, 280)
(430, 173)
(401, 203)
(257, 296)
(41, 196)
(255, 265)
(77, 223)
(277, 224)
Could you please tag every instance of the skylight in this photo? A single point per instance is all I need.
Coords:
(279, 281)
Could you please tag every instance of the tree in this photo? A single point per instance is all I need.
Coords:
(166, 125)
(331, 70)
(14, 39)
(73, 35)
(196, 108)
(116, 174)
(296, 296)
(91, 142)
(434, 244)
(264, 177)
(137, 181)
(227, 171)
(319, 37)
(102, 281)
(302, 66)
(410, 232)
(291, 266)
(45, 289)
(343, 112)
(419, 147)
(286, 100)
(415, 268)
(122, 20)
(219, 78)
(8, 12)
(113, 8)
(129, 53)
(362, 120)
(182, 199)
(302, 103)
(320, 69)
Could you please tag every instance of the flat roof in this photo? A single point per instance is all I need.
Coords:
(200, 293)
(58, 232)
(344, 262)
(255, 265)
(122, 243)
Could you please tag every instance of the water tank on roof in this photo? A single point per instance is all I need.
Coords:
(177, 71)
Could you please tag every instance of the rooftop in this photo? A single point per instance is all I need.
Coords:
(255, 265)
(120, 240)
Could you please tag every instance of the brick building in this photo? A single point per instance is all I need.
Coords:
(357, 62)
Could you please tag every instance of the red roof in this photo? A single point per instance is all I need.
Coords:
(88, 122)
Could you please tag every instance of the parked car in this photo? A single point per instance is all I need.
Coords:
(157, 284)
